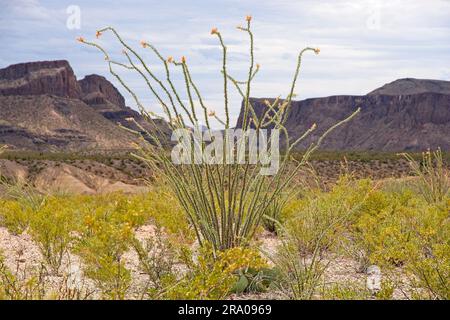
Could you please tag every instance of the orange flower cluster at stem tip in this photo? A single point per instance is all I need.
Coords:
(214, 31)
(98, 34)
(80, 39)
(316, 50)
(170, 59)
(183, 59)
(211, 113)
(144, 44)
(248, 18)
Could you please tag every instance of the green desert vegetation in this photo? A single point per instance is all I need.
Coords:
(226, 201)
(144, 246)
(223, 230)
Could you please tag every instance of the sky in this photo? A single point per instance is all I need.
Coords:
(364, 43)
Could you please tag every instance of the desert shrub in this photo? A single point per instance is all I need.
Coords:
(21, 285)
(27, 282)
(320, 223)
(300, 276)
(165, 211)
(387, 225)
(428, 263)
(346, 291)
(379, 232)
(321, 220)
(353, 290)
(157, 257)
(104, 239)
(404, 230)
(51, 227)
(157, 207)
(99, 228)
(430, 273)
(273, 214)
(224, 202)
(214, 274)
(18, 205)
(433, 177)
(14, 215)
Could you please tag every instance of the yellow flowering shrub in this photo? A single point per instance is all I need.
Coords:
(14, 215)
(403, 230)
(51, 227)
(327, 215)
(213, 277)
(101, 246)
(19, 287)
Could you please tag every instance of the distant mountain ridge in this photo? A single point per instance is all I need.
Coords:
(41, 77)
(404, 115)
(410, 86)
(44, 107)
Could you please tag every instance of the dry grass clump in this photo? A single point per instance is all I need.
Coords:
(433, 176)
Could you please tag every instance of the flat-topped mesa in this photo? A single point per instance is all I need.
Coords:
(408, 86)
(37, 78)
(97, 90)
(405, 115)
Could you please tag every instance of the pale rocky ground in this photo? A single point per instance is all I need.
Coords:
(21, 256)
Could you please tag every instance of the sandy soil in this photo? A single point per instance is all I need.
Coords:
(22, 256)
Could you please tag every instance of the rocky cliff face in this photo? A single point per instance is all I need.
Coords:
(52, 123)
(42, 77)
(99, 92)
(101, 95)
(394, 122)
(43, 107)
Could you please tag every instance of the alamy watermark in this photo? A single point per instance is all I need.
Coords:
(373, 21)
(230, 146)
(373, 281)
(73, 21)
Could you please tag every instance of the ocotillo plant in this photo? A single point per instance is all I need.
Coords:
(433, 178)
(225, 201)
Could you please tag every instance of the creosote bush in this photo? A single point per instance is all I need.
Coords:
(102, 247)
(404, 230)
(214, 275)
(51, 227)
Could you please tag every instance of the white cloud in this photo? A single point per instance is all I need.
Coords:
(365, 43)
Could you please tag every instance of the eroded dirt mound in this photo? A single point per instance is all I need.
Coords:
(70, 179)
(13, 171)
